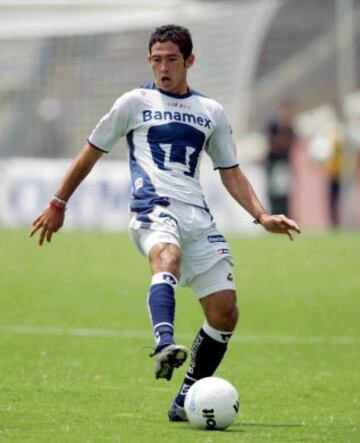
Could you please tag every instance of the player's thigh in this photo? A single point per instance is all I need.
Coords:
(218, 277)
(149, 229)
(216, 291)
(206, 251)
(156, 236)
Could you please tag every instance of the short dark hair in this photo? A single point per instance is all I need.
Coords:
(176, 34)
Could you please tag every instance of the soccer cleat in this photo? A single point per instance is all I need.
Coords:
(176, 412)
(168, 358)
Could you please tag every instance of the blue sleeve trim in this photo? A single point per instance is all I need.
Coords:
(198, 93)
(227, 167)
(148, 86)
(97, 147)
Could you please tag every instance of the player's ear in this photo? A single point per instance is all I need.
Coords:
(189, 61)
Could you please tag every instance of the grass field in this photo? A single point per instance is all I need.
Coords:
(75, 338)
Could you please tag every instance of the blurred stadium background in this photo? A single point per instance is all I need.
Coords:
(64, 62)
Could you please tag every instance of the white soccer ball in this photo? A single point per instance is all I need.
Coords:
(212, 403)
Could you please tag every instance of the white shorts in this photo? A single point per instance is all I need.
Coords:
(206, 261)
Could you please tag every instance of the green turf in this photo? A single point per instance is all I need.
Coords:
(295, 358)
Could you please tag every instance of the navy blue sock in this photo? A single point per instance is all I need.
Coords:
(161, 303)
(207, 352)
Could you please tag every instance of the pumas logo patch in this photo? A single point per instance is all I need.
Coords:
(138, 183)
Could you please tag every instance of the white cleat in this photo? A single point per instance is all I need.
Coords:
(176, 412)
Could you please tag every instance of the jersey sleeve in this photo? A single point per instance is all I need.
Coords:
(221, 146)
(113, 125)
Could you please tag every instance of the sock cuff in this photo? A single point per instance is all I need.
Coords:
(164, 277)
(219, 336)
(164, 326)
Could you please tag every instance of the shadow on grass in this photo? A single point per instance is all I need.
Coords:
(231, 430)
(269, 425)
(237, 427)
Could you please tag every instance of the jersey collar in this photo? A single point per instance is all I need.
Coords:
(170, 94)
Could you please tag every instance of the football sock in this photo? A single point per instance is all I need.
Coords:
(161, 303)
(207, 352)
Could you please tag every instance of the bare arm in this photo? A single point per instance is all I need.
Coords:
(79, 169)
(241, 190)
(52, 218)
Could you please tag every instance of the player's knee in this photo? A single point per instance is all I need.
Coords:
(229, 316)
(224, 316)
(167, 258)
(170, 261)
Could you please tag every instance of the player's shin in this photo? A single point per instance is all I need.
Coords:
(161, 304)
(207, 351)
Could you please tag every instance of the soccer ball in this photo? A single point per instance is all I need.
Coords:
(212, 403)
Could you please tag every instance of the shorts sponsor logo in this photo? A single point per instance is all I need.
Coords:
(223, 251)
(230, 277)
(216, 239)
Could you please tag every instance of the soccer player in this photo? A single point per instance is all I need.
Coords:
(168, 126)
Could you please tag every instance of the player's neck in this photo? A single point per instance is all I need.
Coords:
(181, 90)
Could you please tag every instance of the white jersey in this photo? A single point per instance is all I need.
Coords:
(166, 135)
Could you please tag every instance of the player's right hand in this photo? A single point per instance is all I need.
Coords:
(49, 221)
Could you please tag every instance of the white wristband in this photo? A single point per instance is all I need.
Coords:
(59, 200)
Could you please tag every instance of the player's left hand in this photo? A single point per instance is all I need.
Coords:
(279, 224)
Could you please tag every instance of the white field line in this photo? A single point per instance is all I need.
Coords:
(146, 335)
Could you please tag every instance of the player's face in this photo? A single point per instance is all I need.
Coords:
(169, 67)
